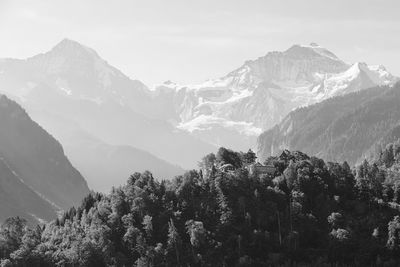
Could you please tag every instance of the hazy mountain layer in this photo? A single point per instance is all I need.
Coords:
(103, 165)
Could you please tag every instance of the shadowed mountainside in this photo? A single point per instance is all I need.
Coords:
(341, 128)
(38, 160)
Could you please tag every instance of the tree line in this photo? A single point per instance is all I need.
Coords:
(308, 213)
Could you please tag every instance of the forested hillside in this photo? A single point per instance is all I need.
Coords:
(306, 212)
(342, 128)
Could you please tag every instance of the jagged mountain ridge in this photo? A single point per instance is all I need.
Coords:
(341, 128)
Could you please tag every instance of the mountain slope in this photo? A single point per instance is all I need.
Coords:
(341, 128)
(17, 199)
(37, 158)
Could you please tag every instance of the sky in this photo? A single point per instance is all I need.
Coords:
(189, 41)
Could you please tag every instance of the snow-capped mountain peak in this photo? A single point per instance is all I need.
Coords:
(298, 64)
(315, 48)
(262, 91)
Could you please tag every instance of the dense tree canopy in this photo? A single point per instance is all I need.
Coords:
(308, 212)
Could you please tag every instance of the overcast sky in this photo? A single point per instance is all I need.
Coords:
(190, 41)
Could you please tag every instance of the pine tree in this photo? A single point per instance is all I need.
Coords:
(174, 240)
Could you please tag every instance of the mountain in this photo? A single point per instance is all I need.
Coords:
(73, 83)
(259, 94)
(178, 123)
(341, 128)
(36, 178)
